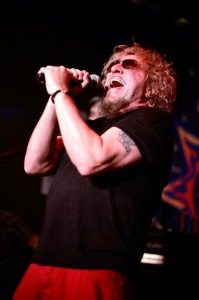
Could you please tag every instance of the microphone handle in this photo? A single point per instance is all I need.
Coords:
(95, 80)
(41, 79)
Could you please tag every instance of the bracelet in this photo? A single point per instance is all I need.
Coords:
(59, 91)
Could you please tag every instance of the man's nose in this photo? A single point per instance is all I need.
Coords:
(117, 68)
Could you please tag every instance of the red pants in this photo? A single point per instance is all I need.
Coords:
(52, 283)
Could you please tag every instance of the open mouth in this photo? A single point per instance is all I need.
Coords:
(115, 83)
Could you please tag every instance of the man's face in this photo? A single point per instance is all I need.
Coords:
(125, 81)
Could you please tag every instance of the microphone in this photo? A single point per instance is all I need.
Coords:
(95, 81)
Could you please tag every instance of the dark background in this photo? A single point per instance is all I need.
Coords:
(82, 34)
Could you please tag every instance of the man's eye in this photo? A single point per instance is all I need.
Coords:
(129, 64)
(112, 64)
(126, 64)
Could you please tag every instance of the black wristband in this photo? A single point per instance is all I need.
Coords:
(59, 91)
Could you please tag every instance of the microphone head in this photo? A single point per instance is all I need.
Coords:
(95, 81)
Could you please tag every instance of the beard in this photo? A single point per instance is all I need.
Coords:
(112, 109)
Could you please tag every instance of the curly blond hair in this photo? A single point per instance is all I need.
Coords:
(161, 77)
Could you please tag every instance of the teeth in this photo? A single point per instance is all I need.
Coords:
(116, 83)
(116, 80)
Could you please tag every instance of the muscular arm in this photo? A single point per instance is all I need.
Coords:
(89, 152)
(44, 146)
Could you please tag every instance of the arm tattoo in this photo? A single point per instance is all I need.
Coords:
(126, 141)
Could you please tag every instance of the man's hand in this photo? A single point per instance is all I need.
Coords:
(65, 79)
